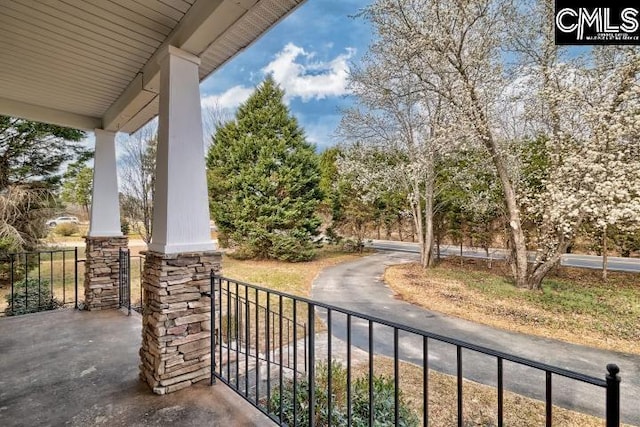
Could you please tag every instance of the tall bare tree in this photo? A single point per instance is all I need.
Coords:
(213, 117)
(137, 170)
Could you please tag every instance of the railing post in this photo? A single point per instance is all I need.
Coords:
(140, 280)
(26, 283)
(312, 373)
(75, 273)
(213, 331)
(64, 277)
(13, 276)
(613, 395)
(119, 277)
(128, 284)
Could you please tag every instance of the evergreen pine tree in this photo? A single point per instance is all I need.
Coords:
(264, 180)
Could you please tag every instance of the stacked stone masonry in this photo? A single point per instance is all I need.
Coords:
(102, 268)
(176, 324)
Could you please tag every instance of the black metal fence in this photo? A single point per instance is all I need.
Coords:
(333, 378)
(38, 281)
(130, 280)
(124, 280)
(251, 330)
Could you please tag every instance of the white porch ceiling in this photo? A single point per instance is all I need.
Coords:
(92, 63)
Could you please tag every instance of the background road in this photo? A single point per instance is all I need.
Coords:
(631, 265)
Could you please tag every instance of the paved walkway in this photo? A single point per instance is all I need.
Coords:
(80, 368)
(358, 286)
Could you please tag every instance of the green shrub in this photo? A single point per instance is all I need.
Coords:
(20, 266)
(383, 404)
(352, 245)
(283, 247)
(125, 227)
(332, 237)
(31, 298)
(66, 229)
(291, 248)
(7, 246)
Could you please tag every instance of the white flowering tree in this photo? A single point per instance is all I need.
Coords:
(453, 49)
(584, 113)
(610, 185)
(502, 84)
(396, 127)
(361, 182)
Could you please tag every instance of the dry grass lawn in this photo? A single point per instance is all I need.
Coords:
(287, 277)
(480, 402)
(292, 278)
(574, 305)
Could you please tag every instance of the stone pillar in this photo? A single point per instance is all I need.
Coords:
(176, 328)
(105, 239)
(101, 272)
(176, 338)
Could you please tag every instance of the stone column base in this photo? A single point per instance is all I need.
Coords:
(176, 321)
(101, 271)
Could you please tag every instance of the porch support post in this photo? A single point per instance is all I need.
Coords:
(181, 203)
(104, 239)
(176, 337)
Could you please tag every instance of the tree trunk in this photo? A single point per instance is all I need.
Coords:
(400, 228)
(428, 246)
(413, 231)
(539, 273)
(427, 250)
(418, 225)
(519, 246)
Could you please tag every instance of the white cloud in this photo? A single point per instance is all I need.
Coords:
(299, 77)
(320, 135)
(228, 100)
(295, 70)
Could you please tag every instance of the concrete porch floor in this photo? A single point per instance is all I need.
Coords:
(80, 368)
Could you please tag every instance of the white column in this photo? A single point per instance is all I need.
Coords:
(105, 205)
(180, 205)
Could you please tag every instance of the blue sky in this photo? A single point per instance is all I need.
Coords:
(309, 54)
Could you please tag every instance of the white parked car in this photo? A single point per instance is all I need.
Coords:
(62, 220)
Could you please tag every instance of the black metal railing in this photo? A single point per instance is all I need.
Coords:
(243, 308)
(250, 330)
(124, 280)
(336, 381)
(130, 280)
(38, 281)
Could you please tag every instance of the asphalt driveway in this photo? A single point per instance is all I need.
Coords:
(358, 286)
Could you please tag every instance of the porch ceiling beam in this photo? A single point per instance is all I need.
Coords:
(133, 99)
(205, 21)
(38, 113)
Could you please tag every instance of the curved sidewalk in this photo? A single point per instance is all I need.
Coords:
(358, 286)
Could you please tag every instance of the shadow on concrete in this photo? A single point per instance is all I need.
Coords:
(80, 368)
